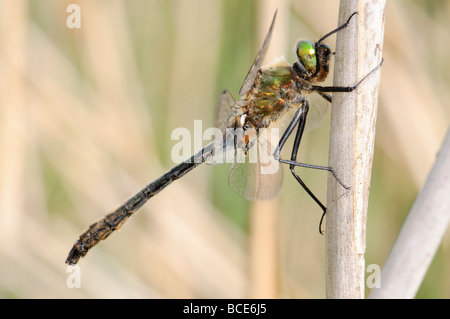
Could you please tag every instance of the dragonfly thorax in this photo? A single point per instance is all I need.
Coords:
(275, 91)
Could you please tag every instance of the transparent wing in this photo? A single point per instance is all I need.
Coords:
(259, 176)
(318, 108)
(225, 109)
(226, 112)
(251, 75)
(247, 182)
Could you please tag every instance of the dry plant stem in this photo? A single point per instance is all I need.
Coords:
(353, 117)
(420, 235)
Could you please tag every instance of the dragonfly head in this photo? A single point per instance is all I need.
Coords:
(314, 59)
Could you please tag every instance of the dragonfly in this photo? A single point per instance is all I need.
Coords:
(270, 95)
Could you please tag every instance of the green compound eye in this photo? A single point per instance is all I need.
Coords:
(306, 54)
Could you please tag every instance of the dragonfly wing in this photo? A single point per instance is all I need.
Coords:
(260, 177)
(318, 108)
(246, 180)
(224, 109)
(226, 112)
(252, 73)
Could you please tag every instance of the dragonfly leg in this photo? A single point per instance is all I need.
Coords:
(300, 120)
(327, 97)
(343, 26)
(319, 43)
(322, 89)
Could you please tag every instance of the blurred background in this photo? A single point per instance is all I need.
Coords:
(86, 116)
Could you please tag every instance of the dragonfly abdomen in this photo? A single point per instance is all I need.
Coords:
(104, 227)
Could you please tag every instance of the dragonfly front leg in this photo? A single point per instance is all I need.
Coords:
(322, 89)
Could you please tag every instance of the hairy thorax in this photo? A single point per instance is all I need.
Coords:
(275, 92)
